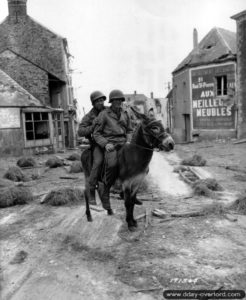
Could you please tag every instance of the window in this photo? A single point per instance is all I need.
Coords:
(221, 85)
(37, 125)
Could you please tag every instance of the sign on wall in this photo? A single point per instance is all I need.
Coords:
(213, 97)
(9, 117)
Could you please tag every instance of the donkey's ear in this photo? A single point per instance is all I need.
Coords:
(138, 114)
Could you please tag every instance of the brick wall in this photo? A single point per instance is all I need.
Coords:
(30, 77)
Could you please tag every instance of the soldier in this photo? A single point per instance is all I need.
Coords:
(112, 131)
(86, 128)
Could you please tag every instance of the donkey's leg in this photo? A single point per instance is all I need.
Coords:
(86, 194)
(86, 158)
(129, 205)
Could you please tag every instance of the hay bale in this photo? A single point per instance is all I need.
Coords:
(180, 168)
(15, 174)
(64, 196)
(214, 209)
(54, 162)
(76, 167)
(201, 189)
(210, 183)
(195, 160)
(74, 156)
(239, 205)
(24, 162)
(15, 195)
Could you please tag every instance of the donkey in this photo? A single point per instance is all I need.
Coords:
(133, 162)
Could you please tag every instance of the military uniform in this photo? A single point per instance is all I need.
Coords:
(111, 128)
(86, 128)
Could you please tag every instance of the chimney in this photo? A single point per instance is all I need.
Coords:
(195, 38)
(17, 8)
(135, 92)
(152, 95)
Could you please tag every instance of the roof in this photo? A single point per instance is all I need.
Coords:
(13, 95)
(170, 94)
(240, 15)
(218, 45)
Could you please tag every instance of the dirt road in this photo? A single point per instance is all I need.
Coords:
(65, 257)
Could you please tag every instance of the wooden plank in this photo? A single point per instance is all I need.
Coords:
(240, 141)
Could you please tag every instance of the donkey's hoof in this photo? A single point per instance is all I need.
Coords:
(132, 228)
(110, 212)
(138, 202)
(89, 218)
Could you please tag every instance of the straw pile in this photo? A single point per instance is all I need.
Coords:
(74, 156)
(195, 160)
(64, 196)
(15, 195)
(54, 162)
(15, 174)
(76, 167)
(239, 205)
(24, 162)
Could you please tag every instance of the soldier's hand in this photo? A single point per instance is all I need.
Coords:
(109, 147)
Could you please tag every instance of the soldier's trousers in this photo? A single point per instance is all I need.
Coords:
(97, 161)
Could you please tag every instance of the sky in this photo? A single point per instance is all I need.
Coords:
(131, 45)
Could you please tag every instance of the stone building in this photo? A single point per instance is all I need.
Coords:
(149, 106)
(37, 59)
(203, 98)
(241, 72)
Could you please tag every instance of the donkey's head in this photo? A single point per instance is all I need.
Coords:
(154, 134)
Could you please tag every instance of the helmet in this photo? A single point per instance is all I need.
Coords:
(116, 94)
(96, 95)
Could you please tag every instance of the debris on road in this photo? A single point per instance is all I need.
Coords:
(19, 258)
(240, 141)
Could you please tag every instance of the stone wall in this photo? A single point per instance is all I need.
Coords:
(29, 76)
(35, 43)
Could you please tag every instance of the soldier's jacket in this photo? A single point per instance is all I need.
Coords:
(111, 129)
(87, 124)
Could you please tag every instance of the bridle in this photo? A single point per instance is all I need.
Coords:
(158, 137)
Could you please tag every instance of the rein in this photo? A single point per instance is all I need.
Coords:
(150, 149)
